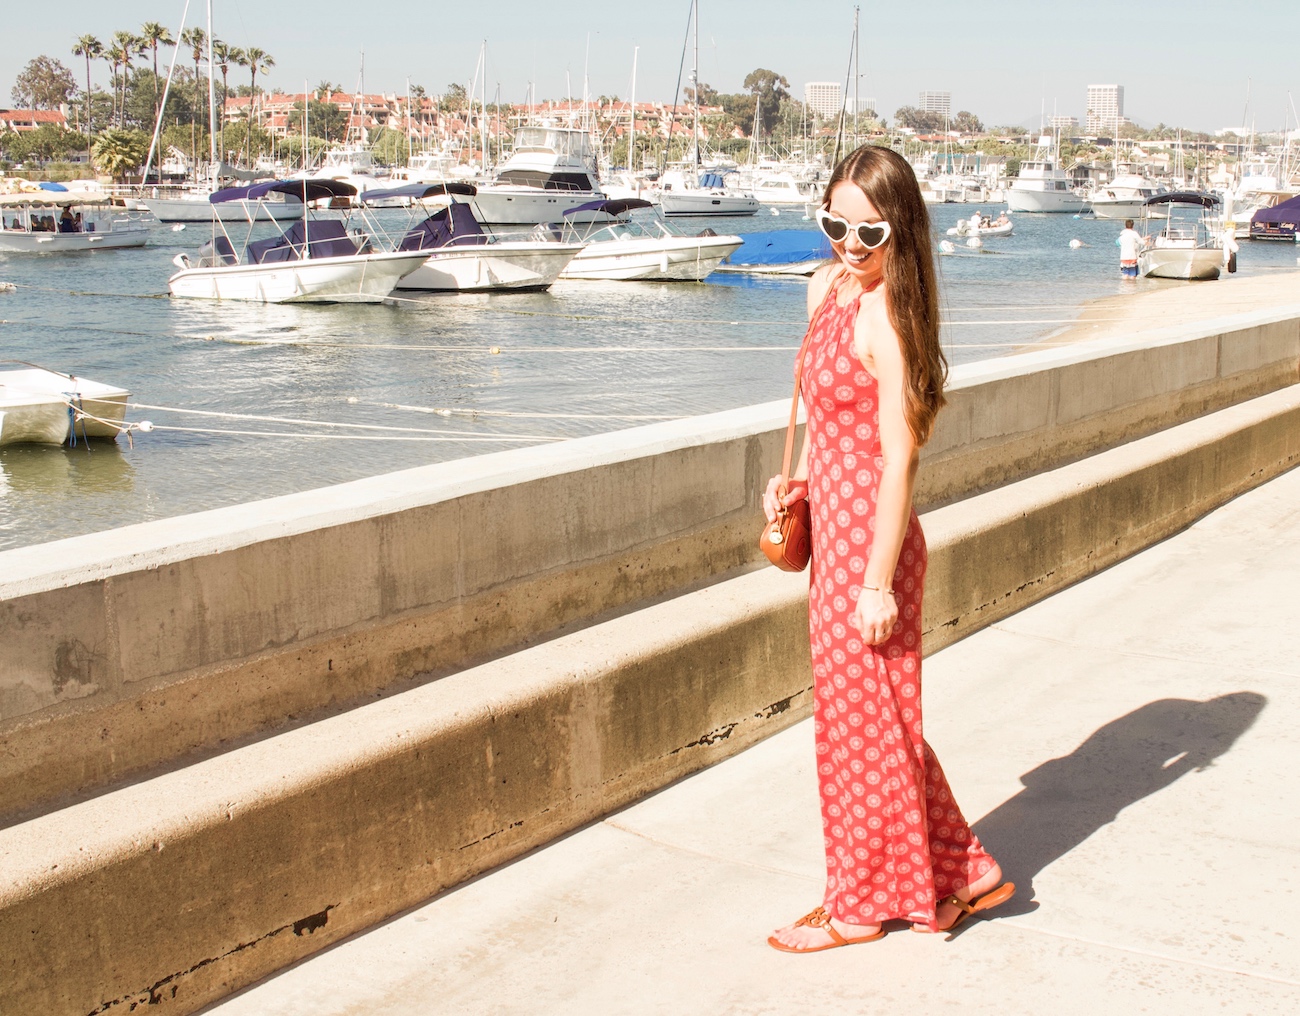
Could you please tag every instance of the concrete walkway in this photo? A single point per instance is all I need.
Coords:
(1127, 746)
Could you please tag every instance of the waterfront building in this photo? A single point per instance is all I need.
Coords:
(825, 98)
(1063, 123)
(1105, 109)
(866, 107)
(936, 102)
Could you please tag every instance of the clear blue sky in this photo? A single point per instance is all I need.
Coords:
(1184, 63)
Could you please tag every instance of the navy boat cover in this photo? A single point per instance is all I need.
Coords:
(1283, 214)
(326, 238)
(453, 226)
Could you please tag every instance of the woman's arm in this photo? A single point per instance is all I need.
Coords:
(881, 353)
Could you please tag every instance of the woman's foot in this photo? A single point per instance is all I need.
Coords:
(818, 930)
(948, 914)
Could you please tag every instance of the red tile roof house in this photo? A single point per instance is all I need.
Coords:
(20, 120)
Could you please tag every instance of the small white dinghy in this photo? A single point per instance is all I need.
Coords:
(39, 406)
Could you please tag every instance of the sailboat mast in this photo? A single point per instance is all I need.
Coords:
(631, 138)
(212, 105)
(695, 81)
(483, 108)
(857, 73)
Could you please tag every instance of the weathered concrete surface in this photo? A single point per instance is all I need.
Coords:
(1119, 745)
(270, 852)
(126, 650)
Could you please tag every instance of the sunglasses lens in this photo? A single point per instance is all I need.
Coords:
(835, 229)
(871, 236)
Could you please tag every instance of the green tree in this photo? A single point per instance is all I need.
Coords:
(390, 147)
(770, 88)
(920, 120)
(324, 120)
(119, 151)
(967, 122)
(454, 97)
(43, 84)
(197, 40)
(224, 55)
(92, 49)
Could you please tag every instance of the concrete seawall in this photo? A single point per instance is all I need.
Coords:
(123, 651)
(254, 858)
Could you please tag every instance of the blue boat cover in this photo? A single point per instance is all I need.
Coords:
(712, 181)
(613, 206)
(453, 226)
(303, 190)
(1287, 211)
(781, 247)
(327, 238)
(49, 185)
(419, 190)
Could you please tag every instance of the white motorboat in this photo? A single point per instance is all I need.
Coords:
(39, 406)
(1184, 248)
(1124, 197)
(551, 171)
(195, 205)
(649, 250)
(781, 188)
(779, 252)
(1042, 185)
(60, 221)
(707, 194)
(316, 260)
(460, 256)
(964, 228)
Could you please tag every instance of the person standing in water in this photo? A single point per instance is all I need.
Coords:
(897, 845)
(1129, 243)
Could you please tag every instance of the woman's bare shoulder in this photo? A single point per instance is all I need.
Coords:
(819, 284)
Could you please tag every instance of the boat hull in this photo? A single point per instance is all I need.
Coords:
(527, 206)
(1118, 208)
(685, 259)
(491, 267)
(14, 242)
(1026, 200)
(789, 268)
(362, 278)
(706, 203)
(984, 232)
(34, 407)
(1180, 263)
(201, 210)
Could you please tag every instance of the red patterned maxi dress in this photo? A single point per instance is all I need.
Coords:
(896, 842)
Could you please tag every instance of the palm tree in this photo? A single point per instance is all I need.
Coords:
(196, 39)
(116, 56)
(118, 151)
(152, 34)
(126, 45)
(92, 49)
(224, 55)
(257, 60)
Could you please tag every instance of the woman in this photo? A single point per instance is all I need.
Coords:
(897, 846)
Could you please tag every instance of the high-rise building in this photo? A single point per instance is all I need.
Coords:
(1105, 109)
(936, 102)
(825, 98)
(1065, 123)
(866, 107)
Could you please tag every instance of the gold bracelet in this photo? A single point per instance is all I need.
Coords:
(878, 589)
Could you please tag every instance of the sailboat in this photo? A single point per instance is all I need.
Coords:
(694, 192)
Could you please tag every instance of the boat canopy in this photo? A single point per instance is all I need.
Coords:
(613, 206)
(54, 199)
(303, 190)
(1282, 212)
(419, 191)
(712, 181)
(1183, 198)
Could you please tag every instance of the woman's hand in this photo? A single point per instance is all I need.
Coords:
(876, 615)
(796, 490)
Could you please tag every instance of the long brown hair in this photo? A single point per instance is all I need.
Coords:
(911, 286)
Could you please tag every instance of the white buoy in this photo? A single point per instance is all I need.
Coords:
(444, 412)
(974, 241)
(947, 246)
(8, 287)
(1076, 244)
(352, 400)
(776, 211)
(178, 227)
(144, 426)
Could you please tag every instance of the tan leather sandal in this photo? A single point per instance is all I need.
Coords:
(820, 919)
(985, 901)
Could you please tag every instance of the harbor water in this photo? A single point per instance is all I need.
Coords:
(252, 401)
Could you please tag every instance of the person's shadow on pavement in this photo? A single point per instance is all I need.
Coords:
(1067, 799)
